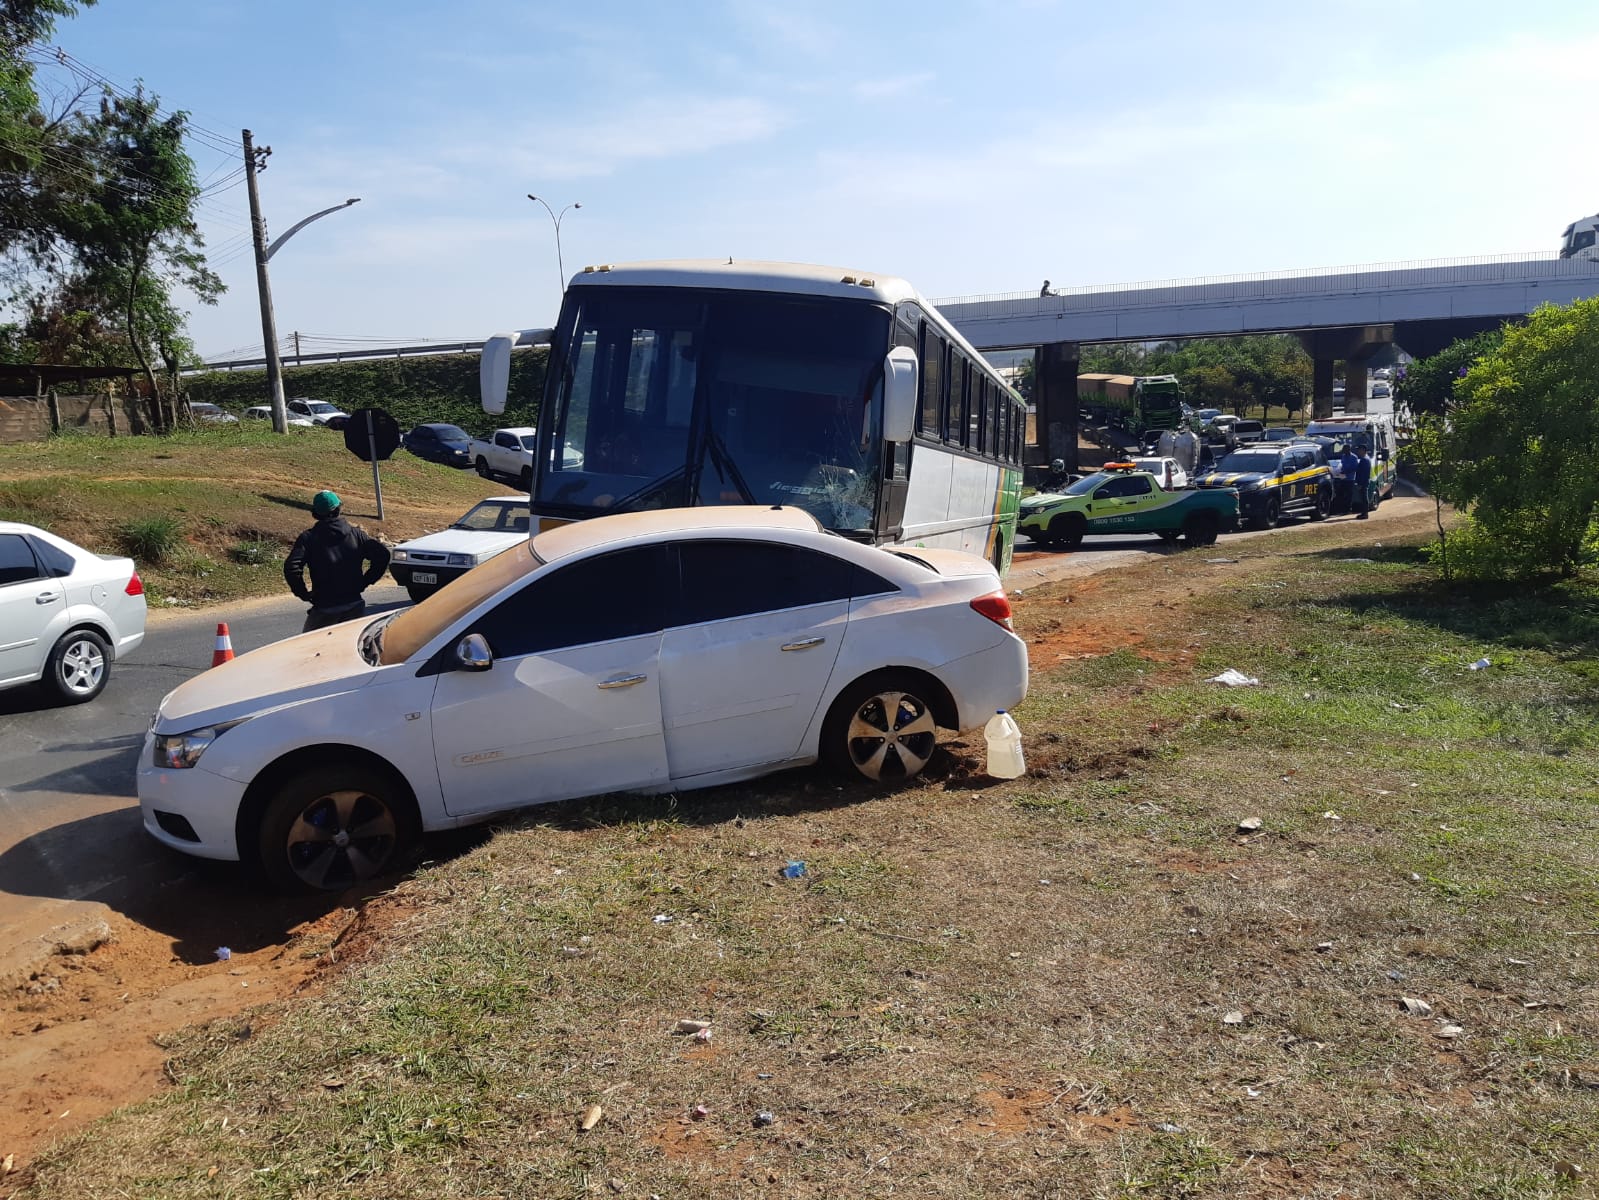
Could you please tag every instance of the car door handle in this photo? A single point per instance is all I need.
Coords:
(622, 681)
(804, 643)
(46, 597)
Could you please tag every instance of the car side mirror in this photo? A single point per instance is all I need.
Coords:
(900, 374)
(473, 654)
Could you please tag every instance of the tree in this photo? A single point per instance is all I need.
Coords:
(1516, 444)
(132, 230)
(1427, 386)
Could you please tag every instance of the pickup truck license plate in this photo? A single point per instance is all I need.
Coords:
(424, 577)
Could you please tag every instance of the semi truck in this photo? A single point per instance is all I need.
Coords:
(1136, 404)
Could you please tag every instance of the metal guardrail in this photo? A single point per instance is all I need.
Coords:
(1274, 285)
(294, 360)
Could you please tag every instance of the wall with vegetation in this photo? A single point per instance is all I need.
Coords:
(435, 387)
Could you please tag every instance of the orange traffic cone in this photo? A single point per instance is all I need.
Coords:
(224, 650)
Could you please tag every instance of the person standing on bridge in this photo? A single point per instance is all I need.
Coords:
(334, 551)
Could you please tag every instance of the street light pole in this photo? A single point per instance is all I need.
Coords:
(560, 262)
(254, 161)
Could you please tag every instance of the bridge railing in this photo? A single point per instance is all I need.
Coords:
(1271, 285)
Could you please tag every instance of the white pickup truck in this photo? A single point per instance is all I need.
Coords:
(506, 453)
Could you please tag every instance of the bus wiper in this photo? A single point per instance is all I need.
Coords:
(644, 492)
(725, 467)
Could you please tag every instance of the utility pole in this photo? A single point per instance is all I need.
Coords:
(296, 347)
(255, 160)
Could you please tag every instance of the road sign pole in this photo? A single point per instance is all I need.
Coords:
(372, 445)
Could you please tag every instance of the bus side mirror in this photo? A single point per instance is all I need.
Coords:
(899, 394)
(494, 372)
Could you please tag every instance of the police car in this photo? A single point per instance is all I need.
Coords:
(1274, 480)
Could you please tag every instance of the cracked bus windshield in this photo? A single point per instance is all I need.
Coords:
(715, 397)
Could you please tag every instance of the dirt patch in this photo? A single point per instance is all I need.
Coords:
(85, 1033)
(1014, 1112)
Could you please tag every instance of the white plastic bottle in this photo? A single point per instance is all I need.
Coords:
(1004, 747)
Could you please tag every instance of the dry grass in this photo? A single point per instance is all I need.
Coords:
(239, 496)
(1014, 989)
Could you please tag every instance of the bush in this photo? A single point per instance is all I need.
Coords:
(150, 539)
(252, 553)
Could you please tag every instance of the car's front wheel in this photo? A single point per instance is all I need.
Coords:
(78, 667)
(1066, 531)
(483, 467)
(881, 729)
(330, 828)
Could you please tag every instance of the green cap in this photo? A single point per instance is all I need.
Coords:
(324, 504)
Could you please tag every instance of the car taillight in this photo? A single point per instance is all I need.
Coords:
(135, 586)
(995, 606)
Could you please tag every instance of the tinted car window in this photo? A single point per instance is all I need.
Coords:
(724, 579)
(1128, 485)
(53, 559)
(17, 563)
(593, 600)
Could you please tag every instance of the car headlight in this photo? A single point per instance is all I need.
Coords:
(401, 556)
(179, 751)
(461, 560)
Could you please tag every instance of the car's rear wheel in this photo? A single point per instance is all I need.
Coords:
(1166, 535)
(78, 667)
(1323, 505)
(525, 479)
(1200, 528)
(331, 828)
(1066, 531)
(483, 467)
(881, 729)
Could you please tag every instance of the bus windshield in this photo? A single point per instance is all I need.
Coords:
(673, 397)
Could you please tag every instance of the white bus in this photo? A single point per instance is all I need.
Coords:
(841, 392)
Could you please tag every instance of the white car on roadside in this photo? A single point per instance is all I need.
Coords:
(263, 412)
(65, 614)
(1165, 470)
(653, 651)
(425, 564)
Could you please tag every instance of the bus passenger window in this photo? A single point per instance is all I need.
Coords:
(955, 414)
(932, 381)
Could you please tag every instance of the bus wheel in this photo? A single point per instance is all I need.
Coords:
(1201, 528)
(1066, 531)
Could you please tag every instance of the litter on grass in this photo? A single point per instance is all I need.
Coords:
(1482, 664)
(1232, 677)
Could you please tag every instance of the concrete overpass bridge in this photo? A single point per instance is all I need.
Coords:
(1341, 313)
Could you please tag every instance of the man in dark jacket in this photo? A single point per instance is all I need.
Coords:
(1362, 482)
(1348, 468)
(333, 551)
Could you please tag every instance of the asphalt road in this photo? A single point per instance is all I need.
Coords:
(70, 835)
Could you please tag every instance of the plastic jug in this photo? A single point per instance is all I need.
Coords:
(1004, 747)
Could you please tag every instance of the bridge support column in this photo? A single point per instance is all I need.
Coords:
(1357, 381)
(1321, 386)
(1055, 403)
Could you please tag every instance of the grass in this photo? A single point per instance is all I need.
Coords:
(1002, 989)
(209, 514)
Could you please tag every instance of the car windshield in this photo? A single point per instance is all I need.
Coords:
(207, 409)
(498, 516)
(1240, 461)
(1086, 484)
(448, 433)
(321, 406)
(530, 440)
(415, 627)
(669, 397)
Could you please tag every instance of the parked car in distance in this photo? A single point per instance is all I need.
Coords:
(1248, 431)
(425, 564)
(1279, 433)
(508, 454)
(1167, 472)
(653, 651)
(439, 443)
(211, 414)
(1381, 391)
(319, 412)
(263, 412)
(65, 614)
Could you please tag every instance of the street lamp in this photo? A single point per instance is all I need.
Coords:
(255, 161)
(560, 263)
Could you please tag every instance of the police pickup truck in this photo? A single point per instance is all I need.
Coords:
(1122, 499)
(1271, 480)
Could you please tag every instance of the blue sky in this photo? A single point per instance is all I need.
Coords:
(970, 147)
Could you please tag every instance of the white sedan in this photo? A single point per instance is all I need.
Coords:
(65, 614)
(1166, 470)
(655, 651)
(425, 564)
(263, 412)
